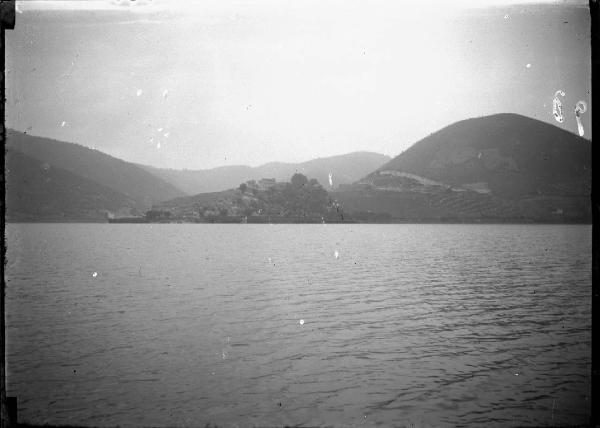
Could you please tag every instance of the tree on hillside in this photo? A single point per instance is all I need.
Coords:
(302, 197)
(299, 180)
(243, 187)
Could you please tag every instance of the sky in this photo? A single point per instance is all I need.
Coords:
(200, 84)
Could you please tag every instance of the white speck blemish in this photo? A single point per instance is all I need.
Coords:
(580, 108)
(330, 180)
(95, 274)
(139, 92)
(301, 322)
(158, 145)
(557, 106)
(336, 254)
(63, 123)
(165, 93)
(166, 135)
(506, 17)
(528, 65)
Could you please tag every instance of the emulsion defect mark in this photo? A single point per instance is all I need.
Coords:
(557, 106)
(580, 108)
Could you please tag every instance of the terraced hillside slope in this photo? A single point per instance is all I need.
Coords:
(503, 167)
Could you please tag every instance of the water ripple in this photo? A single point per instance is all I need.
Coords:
(431, 325)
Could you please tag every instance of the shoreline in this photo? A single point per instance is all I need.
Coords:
(292, 221)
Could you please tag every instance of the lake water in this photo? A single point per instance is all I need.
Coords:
(349, 325)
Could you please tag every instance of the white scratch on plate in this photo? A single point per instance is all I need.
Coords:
(580, 108)
(557, 106)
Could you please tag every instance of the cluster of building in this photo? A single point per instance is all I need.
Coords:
(262, 184)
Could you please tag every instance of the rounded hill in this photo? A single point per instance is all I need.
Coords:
(509, 155)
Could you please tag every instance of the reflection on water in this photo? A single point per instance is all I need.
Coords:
(403, 324)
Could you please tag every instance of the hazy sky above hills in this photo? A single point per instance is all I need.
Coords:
(198, 84)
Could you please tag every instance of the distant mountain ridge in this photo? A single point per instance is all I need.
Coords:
(50, 180)
(344, 169)
(495, 168)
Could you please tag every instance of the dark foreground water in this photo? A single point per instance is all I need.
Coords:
(417, 325)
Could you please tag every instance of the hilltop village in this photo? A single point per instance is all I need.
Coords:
(301, 200)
